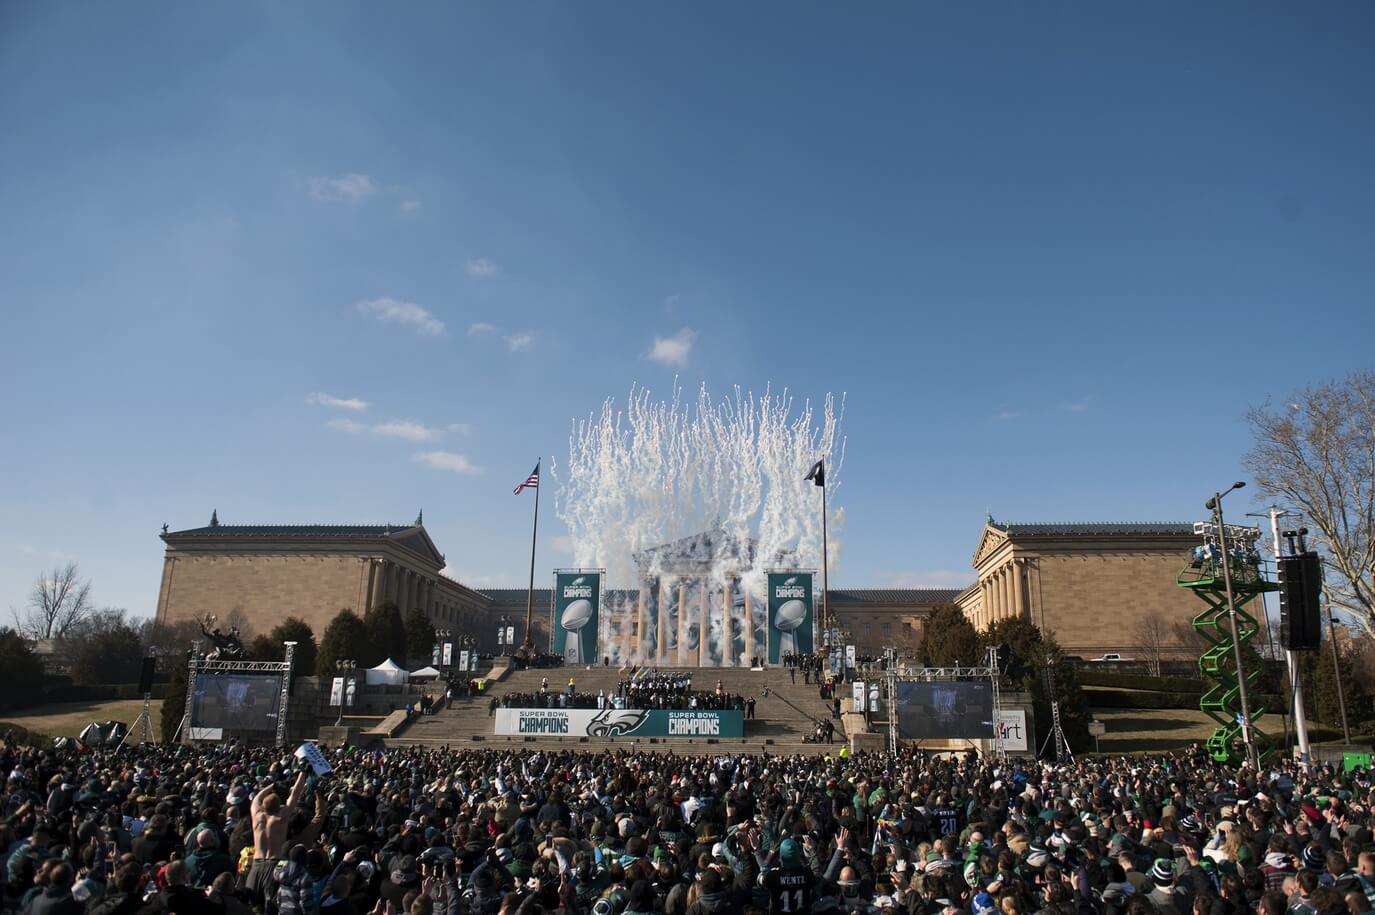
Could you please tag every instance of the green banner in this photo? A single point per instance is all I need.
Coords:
(1352, 762)
(790, 614)
(577, 605)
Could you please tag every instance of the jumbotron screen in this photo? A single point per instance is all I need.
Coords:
(239, 704)
(945, 709)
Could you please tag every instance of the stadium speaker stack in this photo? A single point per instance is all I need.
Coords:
(1300, 579)
(145, 675)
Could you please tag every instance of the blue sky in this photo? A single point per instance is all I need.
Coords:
(1050, 252)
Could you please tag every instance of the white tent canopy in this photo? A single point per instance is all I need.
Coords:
(388, 673)
(425, 673)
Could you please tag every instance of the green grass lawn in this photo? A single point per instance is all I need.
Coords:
(66, 719)
(1161, 730)
(1152, 730)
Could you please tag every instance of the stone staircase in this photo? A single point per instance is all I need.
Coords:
(782, 719)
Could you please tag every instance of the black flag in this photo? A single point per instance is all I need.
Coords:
(818, 473)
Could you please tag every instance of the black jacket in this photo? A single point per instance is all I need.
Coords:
(718, 903)
(152, 847)
(55, 901)
(178, 900)
(117, 904)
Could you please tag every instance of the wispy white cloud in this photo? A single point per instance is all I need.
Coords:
(519, 343)
(446, 460)
(410, 431)
(317, 399)
(673, 350)
(562, 544)
(671, 303)
(392, 428)
(351, 426)
(349, 188)
(414, 316)
(481, 266)
(29, 549)
(481, 327)
(461, 428)
(1004, 415)
(1076, 406)
(409, 206)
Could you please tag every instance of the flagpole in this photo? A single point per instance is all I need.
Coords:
(825, 565)
(529, 643)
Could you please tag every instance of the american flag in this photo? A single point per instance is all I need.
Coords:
(532, 481)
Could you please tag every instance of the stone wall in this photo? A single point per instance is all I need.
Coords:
(265, 588)
(1095, 602)
(874, 629)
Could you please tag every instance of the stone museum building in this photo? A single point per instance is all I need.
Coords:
(266, 572)
(1090, 584)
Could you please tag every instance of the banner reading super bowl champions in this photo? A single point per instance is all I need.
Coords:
(591, 722)
(790, 614)
(577, 605)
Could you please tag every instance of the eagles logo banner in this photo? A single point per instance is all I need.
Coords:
(789, 614)
(577, 722)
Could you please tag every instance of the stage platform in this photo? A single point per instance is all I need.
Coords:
(782, 718)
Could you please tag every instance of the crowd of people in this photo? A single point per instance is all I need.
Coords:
(809, 665)
(229, 830)
(649, 688)
(642, 689)
(824, 731)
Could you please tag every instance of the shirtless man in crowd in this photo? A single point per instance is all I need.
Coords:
(270, 819)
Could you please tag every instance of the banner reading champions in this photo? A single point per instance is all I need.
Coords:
(790, 614)
(577, 602)
(590, 722)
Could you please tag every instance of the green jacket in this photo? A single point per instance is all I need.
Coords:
(205, 864)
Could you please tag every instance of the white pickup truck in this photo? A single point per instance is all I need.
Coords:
(1110, 656)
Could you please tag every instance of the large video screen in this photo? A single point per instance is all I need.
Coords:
(945, 709)
(237, 704)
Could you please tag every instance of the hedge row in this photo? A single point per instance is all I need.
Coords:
(1113, 698)
(1140, 681)
(22, 735)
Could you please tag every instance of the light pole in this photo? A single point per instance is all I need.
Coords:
(442, 638)
(1215, 505)
(345, 668)
(1336, 668)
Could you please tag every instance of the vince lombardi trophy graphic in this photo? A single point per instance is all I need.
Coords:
(575, 616)
(790, 616)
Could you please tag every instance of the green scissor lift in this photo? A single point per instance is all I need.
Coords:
(1222, 700)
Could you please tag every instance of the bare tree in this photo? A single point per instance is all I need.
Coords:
(1317, 453)
(170, 640)
(98, 622)
(1155, 637)
(59, 603)
(1183, 633)
(238, 619)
